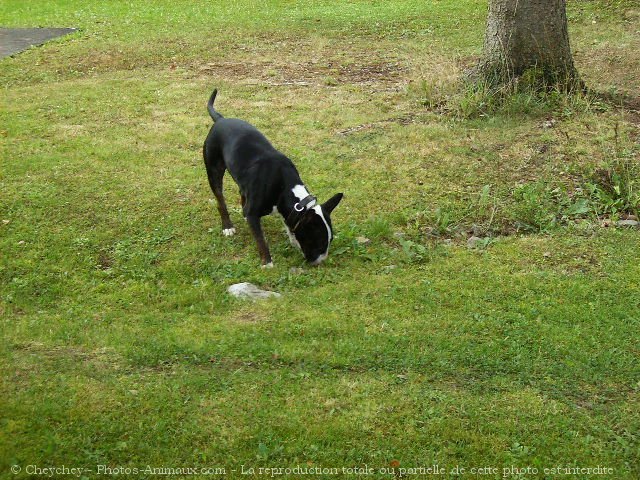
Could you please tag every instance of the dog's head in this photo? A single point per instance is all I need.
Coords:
(313, 233)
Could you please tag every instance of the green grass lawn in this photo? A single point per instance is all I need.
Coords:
(120, 347)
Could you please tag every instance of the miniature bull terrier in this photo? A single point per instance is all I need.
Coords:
(268, 181)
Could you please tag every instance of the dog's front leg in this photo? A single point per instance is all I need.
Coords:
(258, 235)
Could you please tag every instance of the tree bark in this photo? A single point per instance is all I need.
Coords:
(527, 36)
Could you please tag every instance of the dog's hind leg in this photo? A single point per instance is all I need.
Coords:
(215, 173)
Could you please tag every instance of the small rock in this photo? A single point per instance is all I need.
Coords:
(21, 242)
(548, 123)
(473, 241)
(546, 254)
(627, 223)
(250, 291)
(363, 241)
(6, 222)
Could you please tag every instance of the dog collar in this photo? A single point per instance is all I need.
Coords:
(299, 209)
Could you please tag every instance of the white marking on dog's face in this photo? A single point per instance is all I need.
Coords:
(318, 210)
(320, 259)
(301, 192)
(227, 232)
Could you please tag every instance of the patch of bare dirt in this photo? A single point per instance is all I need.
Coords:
(105, 260)
(407, 119)
(611, 65)
(248, 317)
(307, 73)
(293, 61)
(32, 354)
(376, 72)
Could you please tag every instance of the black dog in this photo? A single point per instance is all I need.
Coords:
(268, 180)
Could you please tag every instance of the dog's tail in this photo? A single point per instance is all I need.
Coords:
(212, 111)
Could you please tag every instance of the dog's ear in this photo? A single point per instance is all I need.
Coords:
(332, 203)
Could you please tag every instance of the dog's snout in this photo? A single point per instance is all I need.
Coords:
(320, 259)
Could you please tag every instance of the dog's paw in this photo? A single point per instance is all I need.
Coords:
(268, 265)
(228, 232)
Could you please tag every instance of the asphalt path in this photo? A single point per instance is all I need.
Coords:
(16, 40)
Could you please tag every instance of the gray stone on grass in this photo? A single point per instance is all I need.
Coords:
(363, 241)
(479, 242)
(250, 291)
(627, 223)
(474, 241)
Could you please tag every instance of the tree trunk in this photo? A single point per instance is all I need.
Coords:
(527, 36)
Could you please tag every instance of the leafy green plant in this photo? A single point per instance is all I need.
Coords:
(445, 218)
(580, 207)
(535, 209)
(413, 251)
(615, 188)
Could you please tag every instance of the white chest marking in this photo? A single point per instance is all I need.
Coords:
(300, 191)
